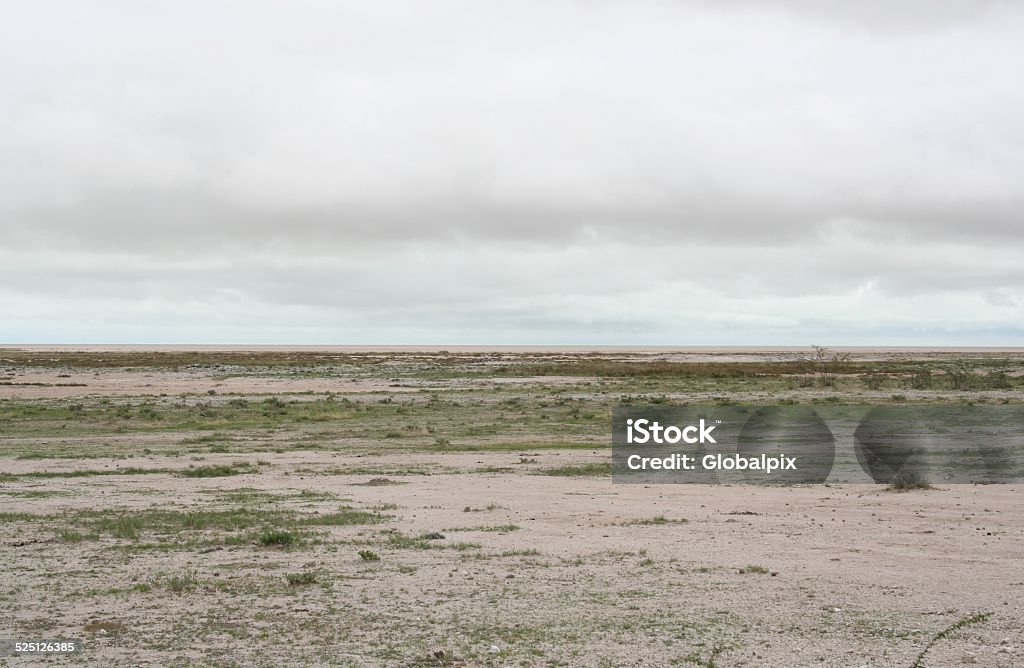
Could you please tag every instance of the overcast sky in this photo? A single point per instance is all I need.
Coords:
(591, 172)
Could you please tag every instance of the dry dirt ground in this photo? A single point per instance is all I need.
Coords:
(285, 539)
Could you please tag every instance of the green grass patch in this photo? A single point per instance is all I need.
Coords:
(278, 538)
(186, 527)
(499, 528)
(592, 469)
(183, 582)
(82, 473)
(657, 520)
(33, 494)
(379, 482)
(342, 518)
(400, 541)
(947, 632)
(905, 481)
(524, 552)
(218, 470)
(303, 578)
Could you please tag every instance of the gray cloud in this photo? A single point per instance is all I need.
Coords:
(523, 171)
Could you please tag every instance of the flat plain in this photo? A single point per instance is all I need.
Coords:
(418, 507)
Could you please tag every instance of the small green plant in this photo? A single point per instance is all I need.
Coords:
(303, 578)
(827, 365)
(709, 662)
(760, 570)
(873, 381)
(218, 471)
(655, 521)
(122, 526)
(998, 380)
(498, 528)
(381, 482)
(907, 480)
(277, 537)
(948, 631)
(185, 581)
(502, 528)
(369, 555)
(489, 506)
(594, 469)
(921, 380)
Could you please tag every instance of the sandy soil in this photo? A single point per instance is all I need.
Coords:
(857, 576)
(47, 383)
(43, 383)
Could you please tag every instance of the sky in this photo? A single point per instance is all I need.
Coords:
(604, 172)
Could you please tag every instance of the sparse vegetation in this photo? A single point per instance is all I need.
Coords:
(906, 480)
(218, 471)
(106, 626)
(947, 632)
(267, 516)
(654, 521)
(278, 537)
(500, 528)
(709, 662)
(381, 482)
(303, 578)
(183, 582)
(827, 365)
(592, 469)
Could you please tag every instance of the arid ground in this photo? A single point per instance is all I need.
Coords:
(274, 507)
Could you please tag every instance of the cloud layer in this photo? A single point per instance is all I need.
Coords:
(539, 172)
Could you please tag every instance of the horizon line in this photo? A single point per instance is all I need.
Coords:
(489, 347)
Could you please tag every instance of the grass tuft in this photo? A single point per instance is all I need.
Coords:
(218, 470)
(594, 469)
(905, 481)
(657, 520)
(303, 578)
(277, 537)
(184, 582)
(948, 631)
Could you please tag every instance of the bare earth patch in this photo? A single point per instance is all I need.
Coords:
(854, 575)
